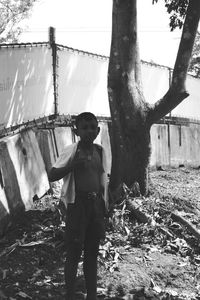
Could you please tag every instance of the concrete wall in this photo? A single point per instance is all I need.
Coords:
(175, 145)
(22, 175)
(159, 146)
(172, 145)
(52, 142)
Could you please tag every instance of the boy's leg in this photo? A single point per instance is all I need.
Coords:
(74, 245)
(90, 266)
(71, 265)
(94, 233)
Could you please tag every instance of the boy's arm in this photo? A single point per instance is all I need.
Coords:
(59, 173)
(63, 165)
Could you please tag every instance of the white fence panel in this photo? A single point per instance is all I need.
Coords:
(155, 81)
(26, 84)
(27, 91)
(82, 83)
(190, 107)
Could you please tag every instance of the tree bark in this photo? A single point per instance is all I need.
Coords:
(130, 133)
(131, 115)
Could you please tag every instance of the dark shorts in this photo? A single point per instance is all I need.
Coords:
(85, 218)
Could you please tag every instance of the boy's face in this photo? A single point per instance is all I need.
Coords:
(87, 130)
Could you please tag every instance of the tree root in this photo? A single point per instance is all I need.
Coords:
(178, 218)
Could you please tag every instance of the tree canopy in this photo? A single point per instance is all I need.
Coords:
(177, 11)
(12, 12)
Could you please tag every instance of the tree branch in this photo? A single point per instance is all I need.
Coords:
(177, 91)
(163, 106)
(186, 45)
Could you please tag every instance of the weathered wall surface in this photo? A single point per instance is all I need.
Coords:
(175, 145)
(22, 174)
(47, 147)
(159, 146)
(52, 142)
(172, 145)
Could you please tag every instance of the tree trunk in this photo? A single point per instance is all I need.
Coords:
(130, 134)
(132, 117)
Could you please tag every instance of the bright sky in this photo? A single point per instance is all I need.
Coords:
(86, 25)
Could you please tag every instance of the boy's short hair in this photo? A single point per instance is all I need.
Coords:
(87, 116)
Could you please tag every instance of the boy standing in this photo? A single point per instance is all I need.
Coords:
(83, 168)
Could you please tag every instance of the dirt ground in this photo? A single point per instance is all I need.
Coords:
(154, 259)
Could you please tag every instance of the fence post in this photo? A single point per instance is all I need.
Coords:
(170, 117)
(52, 41)
(54, 65)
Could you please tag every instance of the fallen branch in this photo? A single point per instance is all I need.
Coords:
(137, 213)
(178, 218)
(165, 231)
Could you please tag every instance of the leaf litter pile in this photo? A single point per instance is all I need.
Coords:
(151, 250)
